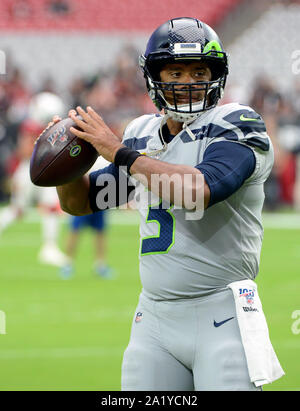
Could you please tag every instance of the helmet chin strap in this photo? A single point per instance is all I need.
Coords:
(189, 131)
(187, 117)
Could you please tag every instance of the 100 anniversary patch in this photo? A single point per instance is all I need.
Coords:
(58, 135)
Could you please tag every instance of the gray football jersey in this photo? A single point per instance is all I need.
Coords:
(181, 258)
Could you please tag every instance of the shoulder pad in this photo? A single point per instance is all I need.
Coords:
(246, 120)
(243, 125)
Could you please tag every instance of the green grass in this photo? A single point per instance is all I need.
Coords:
(279, 286)
(65, 335)
(70, 335)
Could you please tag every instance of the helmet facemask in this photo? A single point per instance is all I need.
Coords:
(181, 101)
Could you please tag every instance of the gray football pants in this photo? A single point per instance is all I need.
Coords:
(186, 346)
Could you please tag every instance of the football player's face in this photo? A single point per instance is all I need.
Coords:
(185, 73)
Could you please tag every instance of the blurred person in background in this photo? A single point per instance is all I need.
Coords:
(58, 7)
(289, 140)
(15, 96)
(23, 193)
(97, 222)
(282, 117)
(118, 94)
(294, 98)
(269, 103)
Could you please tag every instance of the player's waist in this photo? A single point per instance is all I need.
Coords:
(150, 302)
(165, 278)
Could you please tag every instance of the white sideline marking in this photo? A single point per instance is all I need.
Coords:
(115, 217)
(131, 217)
(284, 221)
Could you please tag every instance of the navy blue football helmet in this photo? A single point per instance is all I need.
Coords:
(184, 39)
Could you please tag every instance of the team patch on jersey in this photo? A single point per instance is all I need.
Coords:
(247, 294)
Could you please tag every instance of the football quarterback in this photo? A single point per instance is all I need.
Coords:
(199, 324)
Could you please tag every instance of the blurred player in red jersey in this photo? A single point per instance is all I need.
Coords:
(23, 193)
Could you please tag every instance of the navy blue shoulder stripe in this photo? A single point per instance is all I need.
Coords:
(247, 121)
(215, 130)
(259, 142)
(209, 131)
(136, 143)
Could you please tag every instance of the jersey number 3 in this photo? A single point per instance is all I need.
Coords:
(164, 240)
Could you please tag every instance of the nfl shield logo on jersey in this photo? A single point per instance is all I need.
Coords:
(138, 317)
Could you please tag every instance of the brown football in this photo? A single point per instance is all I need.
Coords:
(60, 157)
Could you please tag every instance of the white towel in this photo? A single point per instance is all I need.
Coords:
(263, 365)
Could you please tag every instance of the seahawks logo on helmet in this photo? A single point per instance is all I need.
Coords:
(184, 39)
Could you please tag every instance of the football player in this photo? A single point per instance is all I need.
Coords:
(199, 323)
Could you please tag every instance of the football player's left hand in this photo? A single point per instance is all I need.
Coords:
(96, 132)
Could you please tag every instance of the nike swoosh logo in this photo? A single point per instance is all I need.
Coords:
(222, 322)
(243, 118)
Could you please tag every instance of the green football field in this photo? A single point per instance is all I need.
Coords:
(71, 334)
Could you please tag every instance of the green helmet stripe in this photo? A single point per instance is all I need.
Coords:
(213, 46)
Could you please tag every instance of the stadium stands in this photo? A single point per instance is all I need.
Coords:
(129, 15)
(265, 73)
(268, 48)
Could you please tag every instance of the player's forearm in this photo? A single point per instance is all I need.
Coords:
(178, 184)
(74, 197)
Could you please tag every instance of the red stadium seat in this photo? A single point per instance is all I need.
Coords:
(113, 15)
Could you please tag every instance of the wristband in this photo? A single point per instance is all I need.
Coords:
(126, 157)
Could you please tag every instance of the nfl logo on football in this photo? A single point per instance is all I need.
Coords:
(58, 135)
